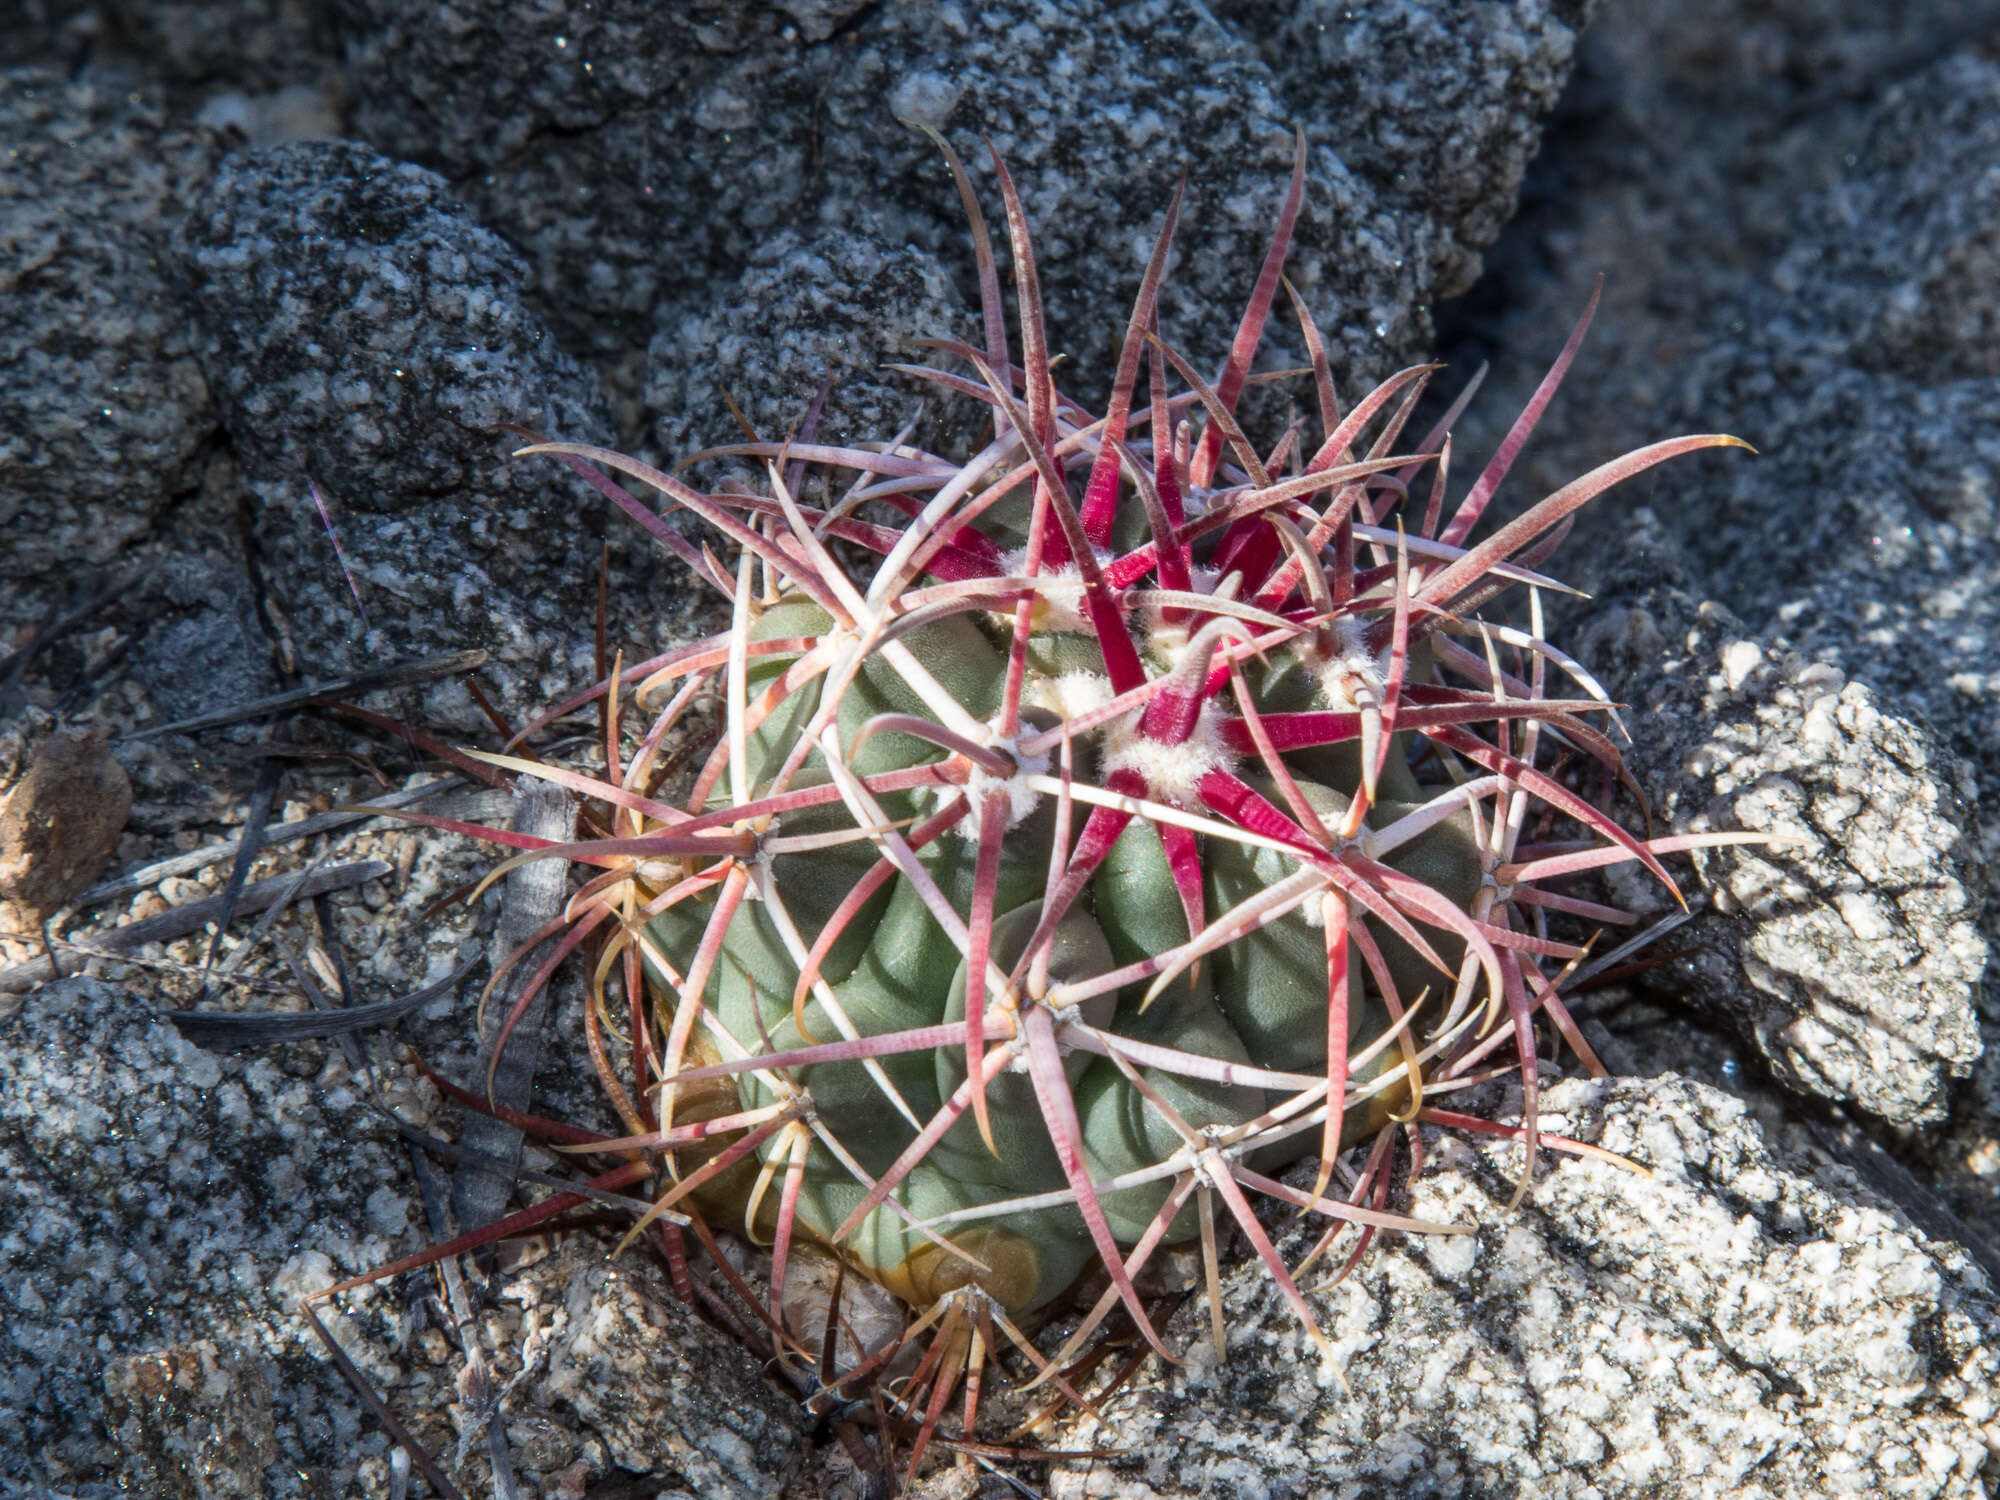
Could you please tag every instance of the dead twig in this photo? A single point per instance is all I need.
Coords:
(273, 833)
(182, 920)
(429, 669)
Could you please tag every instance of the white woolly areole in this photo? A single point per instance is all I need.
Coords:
(1171, 772)
(1059, 601)
(1311, 912)
(1067, 696)
(1338, 673)
(982, 783)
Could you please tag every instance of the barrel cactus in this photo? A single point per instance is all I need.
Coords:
(1155, 811)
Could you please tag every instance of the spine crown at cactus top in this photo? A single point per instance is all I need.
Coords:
(1157, 810)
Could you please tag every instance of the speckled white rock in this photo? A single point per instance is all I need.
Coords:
(363, 335)
(1745, 1323)
(614, 1343)
(808, 309)
(150, 1195)
(1851, 955)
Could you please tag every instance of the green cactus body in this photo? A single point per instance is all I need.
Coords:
(1260, 1000)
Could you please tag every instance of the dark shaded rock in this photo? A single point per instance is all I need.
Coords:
(1849, 955)
(60, 34)
(1867, 370)
(1799, 230)
(586, 137)
(103, 409)
(204, 649)
(1748, 1321)
(363, 334)
(833, 306)
(1862, 364)
(258, 45)
(1440, 107)
(1095, 118)
(1795, 202)
(1097, 110)
(630, 150)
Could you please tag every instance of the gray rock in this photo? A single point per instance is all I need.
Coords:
(1440, 107)
(1865, 370)
(103, 409)
(1851, 958)
(632, 151)
(834, 306)
(1745, 1322)
(259, 45)
(614, 1345)
(1739, 70)
(158, 1201)
(1796, 208)
(1871, 381)
(1799, 237)
(1095, 122)
(1094, 109)
(820, 19)
(362, 334)
(203, 649)
(475, 85)
(164, 1208)
(54, 33)
(584, 136)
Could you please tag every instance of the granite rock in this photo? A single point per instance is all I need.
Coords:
(1849, 952)
(1747, 1321)
(166, 1208)
(1094, 108)
(1092, 113)
(582, 136)
(363, 335)
(59, 34)
(1440, 107)
(196, 1421)
(1796, 210)
(103, 409)
(833, 307)
(203, 648)
(1798, 217)
(614, 1345)
(631, 151)
(259, 46)
(1867, 372)
(157, 1201)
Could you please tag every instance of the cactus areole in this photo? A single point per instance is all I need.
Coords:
(1160, 810)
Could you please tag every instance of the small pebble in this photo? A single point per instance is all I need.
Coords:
(58, 826)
